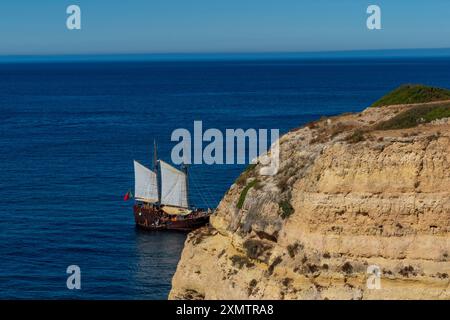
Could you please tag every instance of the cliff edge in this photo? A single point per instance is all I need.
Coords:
(359, 209)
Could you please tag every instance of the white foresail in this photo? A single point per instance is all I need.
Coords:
(173, 186)
(145, 183)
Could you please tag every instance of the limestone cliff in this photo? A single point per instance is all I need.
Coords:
(349, 194)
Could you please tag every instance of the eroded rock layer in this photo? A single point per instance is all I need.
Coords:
(348, 200)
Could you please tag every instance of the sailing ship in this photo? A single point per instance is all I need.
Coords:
(162, 200)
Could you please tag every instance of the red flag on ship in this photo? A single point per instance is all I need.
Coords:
(127, 196)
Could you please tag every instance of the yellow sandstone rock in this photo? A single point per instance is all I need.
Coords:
(347, 198)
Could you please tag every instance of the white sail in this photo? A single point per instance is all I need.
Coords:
(145, 184)
(173, 186)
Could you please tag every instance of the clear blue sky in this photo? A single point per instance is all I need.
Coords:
(181, 26)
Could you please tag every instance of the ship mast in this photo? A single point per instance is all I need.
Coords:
(155, 169)
(185, 169)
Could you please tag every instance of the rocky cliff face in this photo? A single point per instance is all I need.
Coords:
(348, 201)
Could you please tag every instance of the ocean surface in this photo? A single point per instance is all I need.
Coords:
(69, 133)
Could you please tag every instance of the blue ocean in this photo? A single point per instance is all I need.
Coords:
(69, 132)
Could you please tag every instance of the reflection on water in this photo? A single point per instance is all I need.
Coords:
(157, 254)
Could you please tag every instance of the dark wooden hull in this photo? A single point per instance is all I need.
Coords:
(153, 218)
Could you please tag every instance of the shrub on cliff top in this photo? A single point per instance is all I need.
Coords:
(413, 93)
(415, 116)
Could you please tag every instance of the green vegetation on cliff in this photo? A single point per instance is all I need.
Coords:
(413, 93)
(244, 192)
(415, 116)
(286, 209)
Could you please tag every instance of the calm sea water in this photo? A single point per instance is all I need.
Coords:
(70, 131)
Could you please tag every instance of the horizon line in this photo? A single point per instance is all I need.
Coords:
(400, 52)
